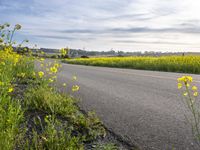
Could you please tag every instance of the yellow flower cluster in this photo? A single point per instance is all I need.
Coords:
(63, 51)
(6, 86)
(75, 88)
(8, 60)
(54, 69)
(74, 78)
(8, 55)
(186, 80)
(10, 90)
(40, 74)
(51, 69)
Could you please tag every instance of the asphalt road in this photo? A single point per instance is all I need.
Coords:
(143, 107)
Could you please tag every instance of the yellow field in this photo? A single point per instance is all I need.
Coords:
(185, 64)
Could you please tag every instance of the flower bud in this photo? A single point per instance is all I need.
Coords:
(18, 26)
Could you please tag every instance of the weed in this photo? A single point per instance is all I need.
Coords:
(190, 93)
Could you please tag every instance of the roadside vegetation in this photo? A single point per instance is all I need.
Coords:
(33, 114)
(183, 64)
(190, 99)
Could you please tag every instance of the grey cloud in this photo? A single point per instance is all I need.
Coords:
(79, 31)
(153, 42)
(134, 17)
(84, 31)
(65, 37)
(132, 30)
(190, 24)
(164, 10)
(113, 5)
(55, 37)
(114, 30)
(156, 30)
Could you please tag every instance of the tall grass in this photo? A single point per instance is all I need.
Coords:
(183, 64)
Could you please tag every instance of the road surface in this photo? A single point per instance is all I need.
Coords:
(143, 107)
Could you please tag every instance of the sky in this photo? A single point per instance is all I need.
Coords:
(126, 25)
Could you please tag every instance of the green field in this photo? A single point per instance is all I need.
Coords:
(184, 64)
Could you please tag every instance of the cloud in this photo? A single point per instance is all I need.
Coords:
(80, 31)
(183, 28)
(63, 37)
(103, 24)
(151, 42)
(190, 30)
(54, 37)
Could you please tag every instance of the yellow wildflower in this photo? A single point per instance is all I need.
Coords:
(74, 78)
(185, 79)
(195, 94)
(56, 65)
(53, 69)
(41, 59)
(51, 80)
(185, 94)
(41, 74)
(194, 88)
(63, 51)
(64, 84)
(54, 77)
(75, 88)
(10, 90)
(187, 85)
(189, 78)
(180, 85)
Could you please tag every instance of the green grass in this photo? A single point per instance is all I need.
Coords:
(11, 116)
(57, 124)
(183, 64)
(44, 98)
(11, 112)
